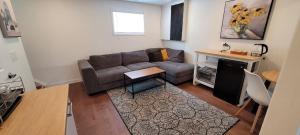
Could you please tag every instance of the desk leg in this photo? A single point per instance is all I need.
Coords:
(255, 107)
(267, 84)
(132, 90)
(165, 79)
(124, 82)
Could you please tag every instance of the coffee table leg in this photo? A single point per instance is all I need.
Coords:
(165, 80)
(132, 90)
(124, 81)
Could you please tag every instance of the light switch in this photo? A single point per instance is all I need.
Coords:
(1, 69)
(13, 56)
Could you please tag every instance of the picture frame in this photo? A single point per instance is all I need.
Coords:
(246, 19)
(8, 23)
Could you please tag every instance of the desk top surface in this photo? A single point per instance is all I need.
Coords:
(271, 75)
(228, 55)
(41, 112)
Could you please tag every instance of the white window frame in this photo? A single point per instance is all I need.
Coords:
(127, 33)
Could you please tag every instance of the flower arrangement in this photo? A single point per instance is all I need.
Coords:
(242, 17)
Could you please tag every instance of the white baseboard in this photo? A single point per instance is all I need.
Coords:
(58, 83)
(64, 82)
(40, 82)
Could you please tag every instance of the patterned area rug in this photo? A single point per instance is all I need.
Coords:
(169, 111)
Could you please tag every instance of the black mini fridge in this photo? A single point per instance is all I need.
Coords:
(229, 80)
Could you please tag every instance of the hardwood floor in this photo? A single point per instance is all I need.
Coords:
(96, 115)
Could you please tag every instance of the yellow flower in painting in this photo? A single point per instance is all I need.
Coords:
(258, 11)
(245, 12)
(235, 8)
(233, 22)
(238, 13)
(243, 20)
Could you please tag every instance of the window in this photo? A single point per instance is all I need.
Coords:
(128, 23)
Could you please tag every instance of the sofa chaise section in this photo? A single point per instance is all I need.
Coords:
(177, 72)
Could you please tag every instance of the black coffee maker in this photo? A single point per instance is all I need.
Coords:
(263, 49)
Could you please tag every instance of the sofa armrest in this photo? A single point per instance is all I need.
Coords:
(89, 76)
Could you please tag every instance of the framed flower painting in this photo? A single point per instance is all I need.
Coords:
(246, 19)
(8, 23)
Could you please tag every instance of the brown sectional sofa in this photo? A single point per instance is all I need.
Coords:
(104, 72)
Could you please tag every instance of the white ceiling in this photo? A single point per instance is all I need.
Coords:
(156, 2)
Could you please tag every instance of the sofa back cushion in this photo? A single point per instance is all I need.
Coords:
(106, 61)
(175, 55)
(134, 57)
(154, 54)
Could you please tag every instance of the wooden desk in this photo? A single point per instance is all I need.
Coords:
(253, 64)
(41, 112)
(271, 75)
(228, 55)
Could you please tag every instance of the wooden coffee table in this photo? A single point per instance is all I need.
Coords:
(141, 80)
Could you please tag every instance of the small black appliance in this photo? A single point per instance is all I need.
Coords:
(264, 49)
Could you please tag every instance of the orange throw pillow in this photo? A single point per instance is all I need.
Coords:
(164, 54)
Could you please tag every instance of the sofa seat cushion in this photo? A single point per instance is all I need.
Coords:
(141, 65)
(176, 69)
(111, 74)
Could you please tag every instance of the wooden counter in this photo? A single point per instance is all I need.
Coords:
(253, 64)
(41, 112)
(228, 55)
(271, 75)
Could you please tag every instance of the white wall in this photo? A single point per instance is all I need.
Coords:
(57, 33)
(283, 116)
(19, 66)
(13, 59)
(204, 26)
